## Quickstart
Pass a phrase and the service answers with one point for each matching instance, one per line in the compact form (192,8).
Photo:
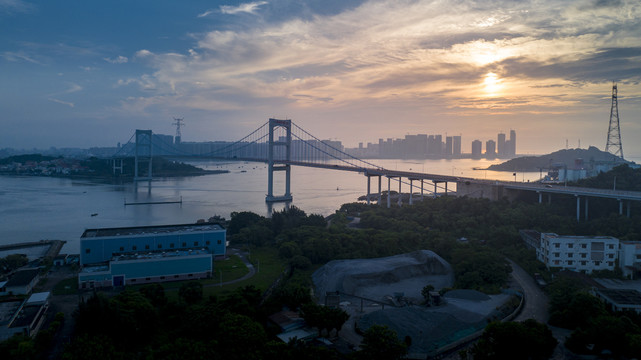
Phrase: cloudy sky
(88,73)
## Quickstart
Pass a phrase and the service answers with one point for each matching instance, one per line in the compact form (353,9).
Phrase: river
(36,208)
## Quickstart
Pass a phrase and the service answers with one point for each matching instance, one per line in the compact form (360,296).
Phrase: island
(93,167)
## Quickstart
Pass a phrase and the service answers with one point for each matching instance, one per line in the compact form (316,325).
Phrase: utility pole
(178,122)
(613,144)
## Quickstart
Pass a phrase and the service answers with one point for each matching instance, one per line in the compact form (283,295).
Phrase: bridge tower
(275,144)
(613,145)
(143,154)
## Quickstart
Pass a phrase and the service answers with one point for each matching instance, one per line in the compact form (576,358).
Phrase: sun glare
(492,84)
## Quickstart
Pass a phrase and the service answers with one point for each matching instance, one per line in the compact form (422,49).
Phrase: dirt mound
(379,279)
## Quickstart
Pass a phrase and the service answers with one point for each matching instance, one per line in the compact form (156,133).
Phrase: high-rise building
(500,145)
(477,149)
(512,148)
(448,146)
(490,149)
(456,146)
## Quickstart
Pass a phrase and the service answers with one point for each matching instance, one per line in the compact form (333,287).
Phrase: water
(37,208)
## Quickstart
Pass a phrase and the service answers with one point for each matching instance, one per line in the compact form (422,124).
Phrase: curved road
(536,301)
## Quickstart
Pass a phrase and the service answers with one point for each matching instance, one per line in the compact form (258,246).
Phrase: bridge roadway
(472,187)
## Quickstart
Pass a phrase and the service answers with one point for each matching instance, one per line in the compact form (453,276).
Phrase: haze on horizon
(82,74)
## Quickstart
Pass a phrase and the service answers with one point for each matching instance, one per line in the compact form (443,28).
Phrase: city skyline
(89,74)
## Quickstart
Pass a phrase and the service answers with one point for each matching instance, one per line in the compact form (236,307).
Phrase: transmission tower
(613,145)
(178,122)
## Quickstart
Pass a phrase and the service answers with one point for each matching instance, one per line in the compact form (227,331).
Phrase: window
(147,279)
(171,245)
(162,278)
(611,256)
(122,248)
(556,262)
(570,262)
(134,247)
(570,255)
(195,243)
(220,242)
(132,280)
(584,255)
(583,263)
(597,263)
(146,247)
(160,246)
(610,263)
(610,246)
(176,276)
(184,244)
(570,246)
(190,275)
(557,254)
(207,242)
(87,251)
(583,246)
(557,245)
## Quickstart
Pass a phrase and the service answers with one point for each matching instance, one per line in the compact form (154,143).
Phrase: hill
(566,157)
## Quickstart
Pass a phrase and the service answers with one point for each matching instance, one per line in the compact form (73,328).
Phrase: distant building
(22,282)
(449,146)
(138,255)
(620,299)
(579,253)
(23,316)
(490,149)
(630,258)
(512,147)
(500,145)
(477,149)
(456,146)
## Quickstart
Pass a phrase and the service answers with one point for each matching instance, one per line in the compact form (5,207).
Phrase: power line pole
(178,122)
(613,145)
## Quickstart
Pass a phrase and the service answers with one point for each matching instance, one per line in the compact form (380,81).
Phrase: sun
(492,85)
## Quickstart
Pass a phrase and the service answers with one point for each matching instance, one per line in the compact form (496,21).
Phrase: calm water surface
(36,208)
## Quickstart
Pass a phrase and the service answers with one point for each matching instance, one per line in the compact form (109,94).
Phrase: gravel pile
(379,279)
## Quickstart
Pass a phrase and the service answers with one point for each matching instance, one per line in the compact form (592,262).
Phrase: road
(536,301)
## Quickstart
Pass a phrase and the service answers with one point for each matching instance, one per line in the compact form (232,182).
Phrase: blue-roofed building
(139,255)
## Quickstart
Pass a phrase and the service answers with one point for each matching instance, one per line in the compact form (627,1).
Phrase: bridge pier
(411,191)
(368,188)
(586,208)
(400,194)
(143,154)
(389,192)
(272,167)
(620,207)
(578,207)
(421,189)
(379,190)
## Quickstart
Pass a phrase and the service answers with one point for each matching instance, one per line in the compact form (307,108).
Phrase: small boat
(337,188)
(94,214)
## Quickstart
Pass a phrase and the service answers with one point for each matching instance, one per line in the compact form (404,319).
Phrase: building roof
(621,296)
(149,230)
(22,277)
(38,298)
(577,237)
(7,310)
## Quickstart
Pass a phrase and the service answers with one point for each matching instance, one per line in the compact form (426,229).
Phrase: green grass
(231,268)
(268,265)
(66,287)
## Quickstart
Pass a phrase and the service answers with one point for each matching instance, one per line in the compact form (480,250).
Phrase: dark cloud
(607,64)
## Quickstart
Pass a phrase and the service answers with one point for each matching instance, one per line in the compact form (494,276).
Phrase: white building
(578,253)
(630,257)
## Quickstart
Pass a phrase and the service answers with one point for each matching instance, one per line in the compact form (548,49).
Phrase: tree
(191,292)
(381,342)
(426,292)
(529,340)
(155,293)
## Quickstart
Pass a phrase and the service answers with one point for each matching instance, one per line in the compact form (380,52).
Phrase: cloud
(206,13)
(62,102)
(117,60)
(249,8)
(16,56)
(386,51)
(16,6)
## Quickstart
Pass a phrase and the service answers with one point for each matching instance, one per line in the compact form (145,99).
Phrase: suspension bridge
(283,144)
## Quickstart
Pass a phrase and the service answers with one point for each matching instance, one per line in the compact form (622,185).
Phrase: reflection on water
(36,208)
